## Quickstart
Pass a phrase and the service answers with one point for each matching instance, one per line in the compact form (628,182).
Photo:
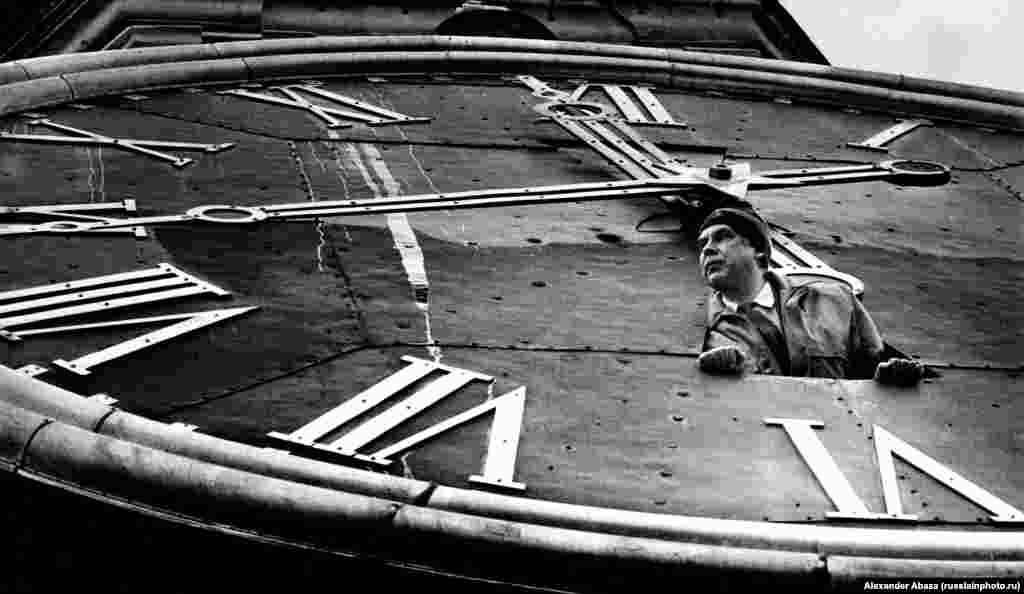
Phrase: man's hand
(723,360)
(899,372)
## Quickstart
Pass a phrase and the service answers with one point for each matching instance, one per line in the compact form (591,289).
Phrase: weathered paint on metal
(598,321)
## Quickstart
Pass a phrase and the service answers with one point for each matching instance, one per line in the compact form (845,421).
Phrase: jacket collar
(765,298)
(775,288)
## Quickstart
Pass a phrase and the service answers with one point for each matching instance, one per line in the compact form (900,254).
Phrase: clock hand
(730,182)
(240,215)
(900,172)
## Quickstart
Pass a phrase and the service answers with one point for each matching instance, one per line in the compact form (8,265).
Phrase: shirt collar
(765,299)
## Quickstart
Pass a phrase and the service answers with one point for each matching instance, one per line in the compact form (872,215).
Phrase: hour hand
(899,172)
(735,180)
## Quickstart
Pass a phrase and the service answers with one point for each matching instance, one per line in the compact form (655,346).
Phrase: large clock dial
(454,279)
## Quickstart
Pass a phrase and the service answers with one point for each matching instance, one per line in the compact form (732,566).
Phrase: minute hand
(241,215)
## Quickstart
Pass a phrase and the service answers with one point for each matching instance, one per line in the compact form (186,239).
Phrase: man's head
(734,248)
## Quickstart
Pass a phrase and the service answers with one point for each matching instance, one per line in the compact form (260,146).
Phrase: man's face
(726,258)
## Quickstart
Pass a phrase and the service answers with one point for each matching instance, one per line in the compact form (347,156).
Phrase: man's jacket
(825,329)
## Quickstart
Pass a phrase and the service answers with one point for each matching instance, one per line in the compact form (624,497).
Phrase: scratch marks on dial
(319,222)
(97,178)
(339,166)
(307,186)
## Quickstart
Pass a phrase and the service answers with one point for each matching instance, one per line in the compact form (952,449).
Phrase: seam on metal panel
(202,401)
(99,423)
(28,443)
(71,88)
(248,68)
(423,499)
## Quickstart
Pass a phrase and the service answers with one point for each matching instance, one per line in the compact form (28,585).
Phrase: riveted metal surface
(1012,179)
(942,423)
(999,147)
(689,434)
(530,296)
(795,130)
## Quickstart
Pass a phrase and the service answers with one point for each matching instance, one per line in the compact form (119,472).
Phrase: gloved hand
(899,372)
(723,360)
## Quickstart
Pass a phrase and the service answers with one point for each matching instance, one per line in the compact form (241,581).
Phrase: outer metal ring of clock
(240,214)
(570,110)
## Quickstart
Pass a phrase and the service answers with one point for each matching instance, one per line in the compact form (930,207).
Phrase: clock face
(570,326)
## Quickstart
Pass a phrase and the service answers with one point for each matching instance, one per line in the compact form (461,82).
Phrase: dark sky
(977,42)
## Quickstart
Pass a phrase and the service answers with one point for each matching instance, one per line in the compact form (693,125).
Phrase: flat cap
(745,223)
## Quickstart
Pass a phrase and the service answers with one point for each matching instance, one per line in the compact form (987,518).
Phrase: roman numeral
(638,105)
(29,307)
(189,322)
(143,147)
(34,305)
(879,141)
(604,131)
(887,446)
(344,107)
(503,444)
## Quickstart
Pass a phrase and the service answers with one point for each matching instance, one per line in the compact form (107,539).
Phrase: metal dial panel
(599,321)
